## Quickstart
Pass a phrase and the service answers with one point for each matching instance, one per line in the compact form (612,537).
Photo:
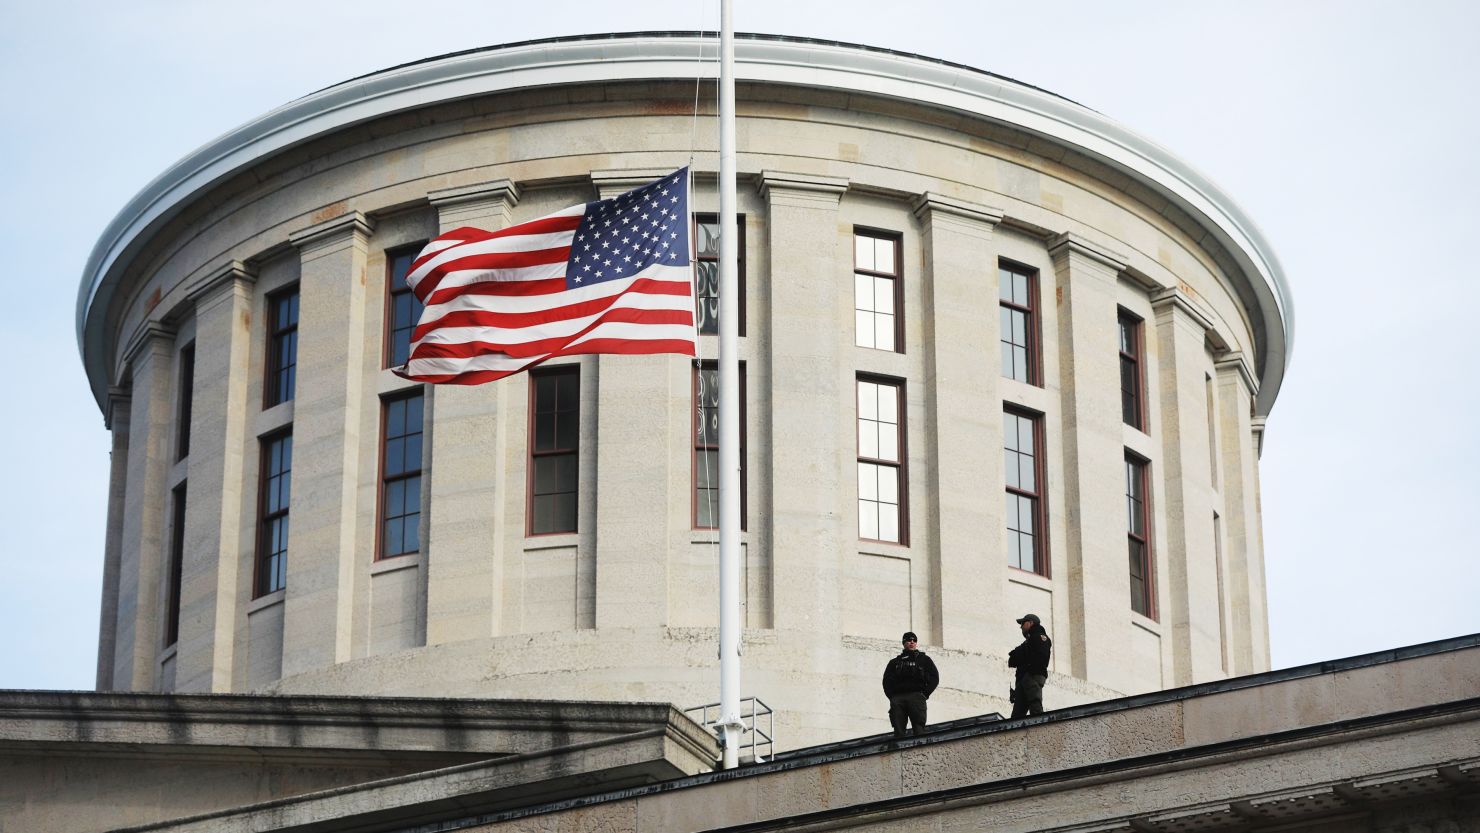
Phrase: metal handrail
(753,737)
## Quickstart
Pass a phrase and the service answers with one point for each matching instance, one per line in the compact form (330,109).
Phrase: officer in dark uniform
(908,681)
(1031,661)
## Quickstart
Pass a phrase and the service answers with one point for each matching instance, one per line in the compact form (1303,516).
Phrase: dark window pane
(567,429)
(392,540)
(412,460)
(395,418)
(544,393)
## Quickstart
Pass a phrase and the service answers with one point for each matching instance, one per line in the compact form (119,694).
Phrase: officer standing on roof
(1031,661)
(908,681)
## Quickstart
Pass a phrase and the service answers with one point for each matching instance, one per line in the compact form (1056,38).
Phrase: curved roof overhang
(653,56)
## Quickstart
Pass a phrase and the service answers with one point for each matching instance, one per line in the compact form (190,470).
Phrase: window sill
(395,562)
(273,419)
(1147,624)
(551,541)
(263,602)
(1020,576)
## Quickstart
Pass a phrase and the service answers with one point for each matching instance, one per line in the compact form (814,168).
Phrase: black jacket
(1031,658)
(909,672)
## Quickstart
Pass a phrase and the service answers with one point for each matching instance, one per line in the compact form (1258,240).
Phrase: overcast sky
(1347,130)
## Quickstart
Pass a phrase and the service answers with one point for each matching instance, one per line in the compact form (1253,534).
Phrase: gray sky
(1347,130)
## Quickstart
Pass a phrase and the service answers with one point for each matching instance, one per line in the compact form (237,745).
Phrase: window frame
(1142,469)
(1137,359)
(713,219)
(1040,497)
(897,238)
(384,481)
(531,454)
(388,326)
(185,393)
(696,448)
(176,565)
(901,466)
(1031,313)
(259,568)
(271,354)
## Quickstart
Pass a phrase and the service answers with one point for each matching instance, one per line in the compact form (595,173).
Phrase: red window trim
(901,466)
(385,402)
(1148,560)
(897,276)
(1034,335)
(1040,498)
(549,370)
(391,291)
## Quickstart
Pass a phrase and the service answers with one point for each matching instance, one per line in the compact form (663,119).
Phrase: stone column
(138,636)
(641,411)
(1191,583)
(963,405)
(811,393)
(210,584)
(116,420)
(324,555)
(1242,549)
(465,529)
(1098,582)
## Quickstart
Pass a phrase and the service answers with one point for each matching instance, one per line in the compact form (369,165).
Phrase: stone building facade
(1001,355)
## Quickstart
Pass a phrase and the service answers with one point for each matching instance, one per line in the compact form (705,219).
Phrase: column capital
(1174,300)
(1068,243)
(930,205)
(610,183)
(117,404)
(229,275)
(341,229)
(495,190)
(802,189)
(475,203)
(151,336)
(1256,427)
(1238,362)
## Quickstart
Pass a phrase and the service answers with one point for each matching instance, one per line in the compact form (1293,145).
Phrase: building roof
(648,56)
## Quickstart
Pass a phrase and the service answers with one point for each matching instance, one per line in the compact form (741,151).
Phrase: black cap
(909,636)
(1031,617)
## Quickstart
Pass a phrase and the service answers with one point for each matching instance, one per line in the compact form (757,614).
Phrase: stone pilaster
(1187,502)
(211,584)
(641,411)
(137,638)
(963,408)
(1243,551)
(324,556)
(468,433)
(1098,582)
(116,415)
(813,526)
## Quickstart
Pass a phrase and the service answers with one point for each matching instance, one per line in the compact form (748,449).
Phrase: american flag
(610,276)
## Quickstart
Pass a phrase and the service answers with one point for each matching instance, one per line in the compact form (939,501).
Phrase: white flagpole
(729,406)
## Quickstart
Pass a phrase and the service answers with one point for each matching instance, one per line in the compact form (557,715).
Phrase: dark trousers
(1029,696)
(907,708)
